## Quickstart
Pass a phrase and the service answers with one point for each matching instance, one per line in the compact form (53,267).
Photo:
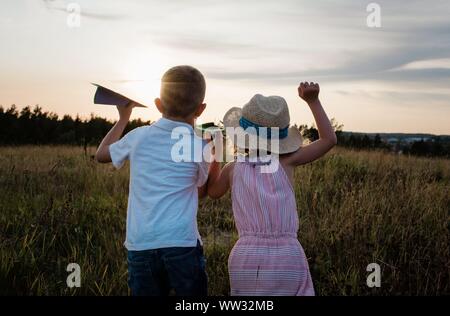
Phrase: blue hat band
(244,123)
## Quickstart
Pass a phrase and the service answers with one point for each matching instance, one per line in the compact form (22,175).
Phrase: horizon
(113,120)
(388,79)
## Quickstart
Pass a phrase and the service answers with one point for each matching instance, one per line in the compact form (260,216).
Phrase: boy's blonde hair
(182,90)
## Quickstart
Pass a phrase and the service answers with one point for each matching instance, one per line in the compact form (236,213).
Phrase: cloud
(127,80)
(414,54)
(213,47)
(427,76)
(326,41)
(189,42)
(443,63)
(57,5)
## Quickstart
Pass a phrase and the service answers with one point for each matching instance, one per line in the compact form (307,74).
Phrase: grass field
(58,206)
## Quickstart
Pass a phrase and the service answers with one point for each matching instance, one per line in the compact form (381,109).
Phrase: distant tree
(352,141)
(36,126)
(366,142)
(312,134)
(336,125)
(377,143)
(435,147)
(420,148)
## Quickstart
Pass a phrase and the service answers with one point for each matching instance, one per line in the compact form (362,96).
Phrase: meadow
(58,206)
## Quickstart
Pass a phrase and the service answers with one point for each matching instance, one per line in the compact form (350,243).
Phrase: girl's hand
(309,92)
(327,137)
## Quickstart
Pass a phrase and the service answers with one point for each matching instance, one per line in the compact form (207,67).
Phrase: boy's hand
(309,92)
(125,111)
(103,154)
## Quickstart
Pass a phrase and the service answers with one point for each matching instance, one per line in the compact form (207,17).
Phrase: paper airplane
(209,129)
(107,96)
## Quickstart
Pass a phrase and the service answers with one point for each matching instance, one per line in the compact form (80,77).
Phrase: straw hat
(268,112)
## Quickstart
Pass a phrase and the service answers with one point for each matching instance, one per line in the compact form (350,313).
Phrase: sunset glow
(388,79)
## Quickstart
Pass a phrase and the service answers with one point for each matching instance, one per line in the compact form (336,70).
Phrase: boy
(162,239)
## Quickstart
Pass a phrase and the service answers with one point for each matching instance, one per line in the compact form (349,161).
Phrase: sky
(393,78)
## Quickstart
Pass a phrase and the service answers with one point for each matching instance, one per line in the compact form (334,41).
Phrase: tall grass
(58,206)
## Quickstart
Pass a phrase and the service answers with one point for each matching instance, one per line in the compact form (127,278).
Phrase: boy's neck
(190,120)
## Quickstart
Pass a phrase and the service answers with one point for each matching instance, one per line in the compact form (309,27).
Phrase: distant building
(392,140)
(416,139)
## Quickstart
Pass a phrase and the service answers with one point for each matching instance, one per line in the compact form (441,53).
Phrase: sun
(141,72)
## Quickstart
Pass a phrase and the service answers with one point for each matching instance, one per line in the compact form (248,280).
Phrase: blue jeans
(158,271)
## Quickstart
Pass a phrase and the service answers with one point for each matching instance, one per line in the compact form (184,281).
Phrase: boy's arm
(203,190)
(219,181)
(103,155)
(327,136)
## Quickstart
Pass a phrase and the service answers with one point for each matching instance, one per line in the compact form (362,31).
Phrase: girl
(268,258)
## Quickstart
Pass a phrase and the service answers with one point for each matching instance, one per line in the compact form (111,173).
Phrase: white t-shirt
(163,193)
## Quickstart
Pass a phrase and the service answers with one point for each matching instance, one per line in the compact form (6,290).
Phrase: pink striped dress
(268,259)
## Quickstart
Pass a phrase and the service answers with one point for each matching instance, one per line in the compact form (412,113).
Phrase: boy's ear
(200,109)
(159,105)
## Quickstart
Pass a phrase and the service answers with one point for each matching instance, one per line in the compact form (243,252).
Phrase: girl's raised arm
(327,137)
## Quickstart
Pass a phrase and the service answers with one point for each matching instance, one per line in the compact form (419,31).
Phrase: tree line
(437,146)
(37,127)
